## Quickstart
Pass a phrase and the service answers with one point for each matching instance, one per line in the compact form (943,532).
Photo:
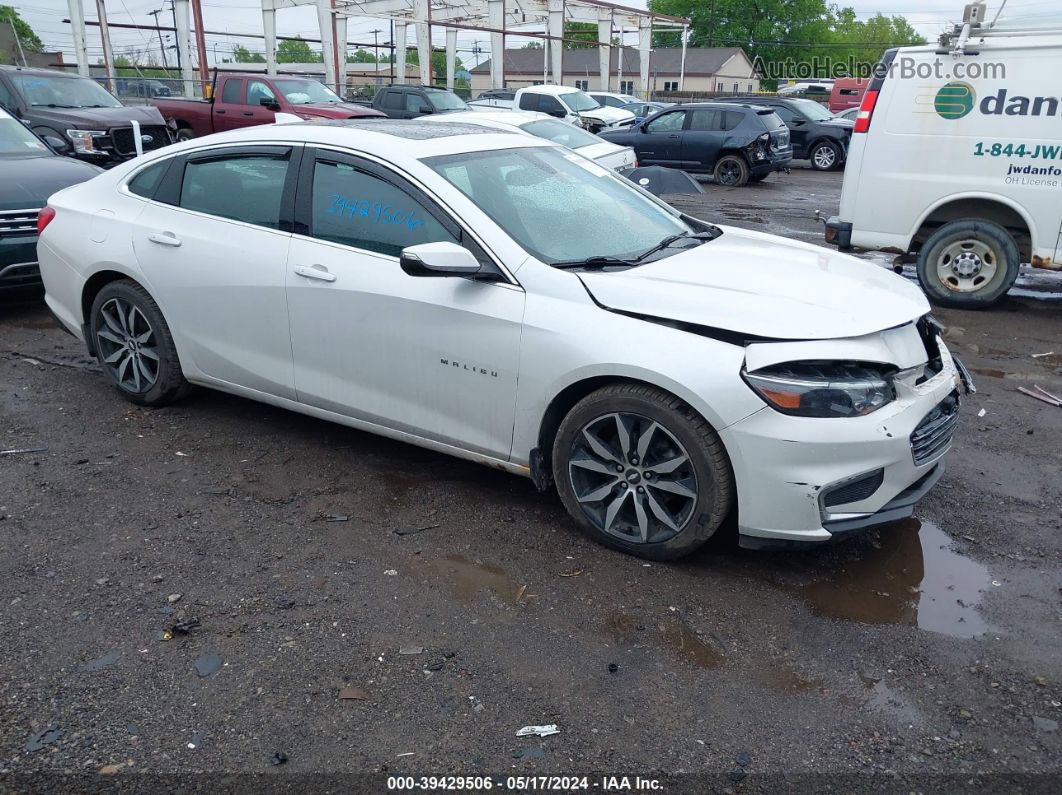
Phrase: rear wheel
(968,264)
(825,156)
(731,171)
(134,345)
(641,472)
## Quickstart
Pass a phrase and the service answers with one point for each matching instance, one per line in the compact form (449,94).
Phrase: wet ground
(363,605)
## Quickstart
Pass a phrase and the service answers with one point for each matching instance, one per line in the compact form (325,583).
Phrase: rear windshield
(771,119)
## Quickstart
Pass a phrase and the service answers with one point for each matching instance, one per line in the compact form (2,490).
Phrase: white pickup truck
(563,102)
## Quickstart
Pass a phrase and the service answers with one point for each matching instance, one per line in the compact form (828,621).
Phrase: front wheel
(134,345)
(825,156)
(642,472)
(184,134)
(968,264)
(731,171)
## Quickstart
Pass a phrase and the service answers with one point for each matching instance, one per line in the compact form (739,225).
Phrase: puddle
(914,579)
(674,635)
(469,577)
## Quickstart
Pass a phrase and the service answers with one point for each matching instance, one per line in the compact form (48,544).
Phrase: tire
(968,264)
(825,156)
(731,171)
(184,134)
(140,359)
(589,447)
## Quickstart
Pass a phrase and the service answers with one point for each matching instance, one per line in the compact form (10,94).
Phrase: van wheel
(731,171)
(642,472)
(134,345)
(825,156)
(968,264)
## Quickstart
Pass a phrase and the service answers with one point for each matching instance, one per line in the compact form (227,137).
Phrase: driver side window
(548,104)
(257,91)
(669,122)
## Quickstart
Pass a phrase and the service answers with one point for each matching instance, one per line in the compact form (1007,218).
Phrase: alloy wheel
(729,174)
(127,345)
(825,157)
(632,478)
(966,265)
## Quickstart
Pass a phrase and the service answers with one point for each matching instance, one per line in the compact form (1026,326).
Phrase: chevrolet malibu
(505,300)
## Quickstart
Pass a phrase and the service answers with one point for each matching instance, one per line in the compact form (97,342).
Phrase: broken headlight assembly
(824,389)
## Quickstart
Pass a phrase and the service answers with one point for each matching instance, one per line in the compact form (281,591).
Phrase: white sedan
(542,125)
(503,299)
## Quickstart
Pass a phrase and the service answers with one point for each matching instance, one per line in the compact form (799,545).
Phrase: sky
(929,17)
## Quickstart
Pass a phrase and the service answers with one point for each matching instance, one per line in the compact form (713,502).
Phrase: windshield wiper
(668,241)
(595,263)
(52,105)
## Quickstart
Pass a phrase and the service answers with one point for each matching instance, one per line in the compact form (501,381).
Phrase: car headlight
(83,140)
(824,389)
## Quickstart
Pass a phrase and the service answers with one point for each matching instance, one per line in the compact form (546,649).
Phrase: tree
(26,37)
(242,55)
(364,56)
(580,35)
(438,62)
(296,51)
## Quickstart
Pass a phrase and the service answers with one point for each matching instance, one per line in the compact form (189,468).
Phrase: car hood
(845,124)
(339,110)
(608,115)
(761,285)
(62,119)
(29,181)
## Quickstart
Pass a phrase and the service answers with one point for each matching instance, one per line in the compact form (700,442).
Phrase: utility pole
(173,10)
(376,46)
(105,37)
(162,47)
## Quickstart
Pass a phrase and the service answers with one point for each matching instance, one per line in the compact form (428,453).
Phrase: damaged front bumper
(806,481)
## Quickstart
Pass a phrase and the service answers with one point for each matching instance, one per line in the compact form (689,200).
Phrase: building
(708,69)
(12,54)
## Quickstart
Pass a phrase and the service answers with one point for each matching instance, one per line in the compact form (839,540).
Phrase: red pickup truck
(243,100)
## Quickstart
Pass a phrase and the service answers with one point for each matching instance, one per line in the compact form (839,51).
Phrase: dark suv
(409,102)
(735,143)
(817,135)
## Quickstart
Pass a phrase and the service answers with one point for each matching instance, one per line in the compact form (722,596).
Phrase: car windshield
(812,109)
(304,92)
(63,92)
(579,102)
(561,133)
(560,206)
(15,139)
(444,100)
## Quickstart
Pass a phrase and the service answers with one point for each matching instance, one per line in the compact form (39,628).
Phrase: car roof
(29,70)
(721,104)
(508,118)
(550,88)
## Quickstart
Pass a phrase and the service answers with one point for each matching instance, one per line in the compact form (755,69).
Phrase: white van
(956,159)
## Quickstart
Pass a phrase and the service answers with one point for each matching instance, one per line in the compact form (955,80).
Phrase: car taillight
(866,110)
(44,217)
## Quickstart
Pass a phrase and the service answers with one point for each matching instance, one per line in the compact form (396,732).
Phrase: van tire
(987,244)
(731,171)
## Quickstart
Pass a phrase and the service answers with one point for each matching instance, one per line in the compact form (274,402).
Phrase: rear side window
(145,183)
(528,101)
(244,188)
(732,120)
(358,209)
(231,91)
(706,120)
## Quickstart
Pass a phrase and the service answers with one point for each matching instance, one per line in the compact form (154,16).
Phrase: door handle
(164,239)
(248,113)
(219,110)
(673,136)
(318,272)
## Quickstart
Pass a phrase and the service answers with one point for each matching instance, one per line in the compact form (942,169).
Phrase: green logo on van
(954,100)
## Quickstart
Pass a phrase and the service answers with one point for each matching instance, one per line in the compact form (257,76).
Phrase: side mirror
(57,144)
(269,102)
(426,109)
(558,113)
(438,259)
(798,122)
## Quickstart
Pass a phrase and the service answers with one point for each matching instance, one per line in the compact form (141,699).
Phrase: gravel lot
(366,606)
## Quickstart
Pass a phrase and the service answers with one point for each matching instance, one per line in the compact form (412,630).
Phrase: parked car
(30,172)
(608,99)
(734,143)
(92,124)
(962,177)
(410,102)
(847,92)
(244,100)
(808,88)
(142,88)
(488,295)
(541,125)
(847,115)
(564,102)
(643,110)
(816,135)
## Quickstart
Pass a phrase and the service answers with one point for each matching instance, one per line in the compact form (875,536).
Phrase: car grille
(855,491)
(124,144)
(933,435)
(18,222)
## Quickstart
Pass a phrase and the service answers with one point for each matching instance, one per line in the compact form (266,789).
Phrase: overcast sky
(929,17)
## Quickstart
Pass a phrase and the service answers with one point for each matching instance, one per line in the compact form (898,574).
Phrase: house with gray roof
(707,69)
